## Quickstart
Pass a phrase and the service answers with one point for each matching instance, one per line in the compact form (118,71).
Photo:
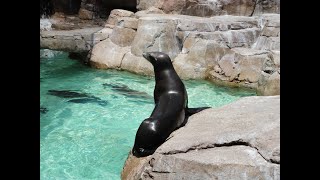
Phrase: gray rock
(151,10)
(276,57)
(78,40)
(241,48)
(137,64)
(250,66)
(269,20)
(156,34)
(237,141)
(270,84)
(207,8)
(145,4)
(128,22)
(106,55)
(122,36)
(271,31)
(267,6)
(116,14)
(216,23)
(227,65)
(101,35)
(197,56)
(265,43)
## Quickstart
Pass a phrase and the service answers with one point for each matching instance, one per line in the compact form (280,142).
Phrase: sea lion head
(158,59)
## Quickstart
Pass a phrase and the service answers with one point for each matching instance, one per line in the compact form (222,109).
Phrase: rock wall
(207,8)
(231,50)
(79,40)
(237,141)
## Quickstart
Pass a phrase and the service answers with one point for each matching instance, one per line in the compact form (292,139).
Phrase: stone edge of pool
(236,141)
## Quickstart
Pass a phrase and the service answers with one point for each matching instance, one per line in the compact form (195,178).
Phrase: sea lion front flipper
(191,111)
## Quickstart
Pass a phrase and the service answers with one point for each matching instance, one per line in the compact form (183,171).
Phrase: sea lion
(171,106)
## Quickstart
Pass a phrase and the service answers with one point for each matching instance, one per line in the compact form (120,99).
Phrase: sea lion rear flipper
(191,111)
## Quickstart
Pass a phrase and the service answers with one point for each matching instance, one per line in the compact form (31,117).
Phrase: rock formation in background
(231,42)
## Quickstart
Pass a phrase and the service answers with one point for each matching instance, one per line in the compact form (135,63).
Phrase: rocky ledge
(237,141)
(77,40)
(230,50)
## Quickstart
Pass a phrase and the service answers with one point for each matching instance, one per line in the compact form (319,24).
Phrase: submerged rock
(237,141)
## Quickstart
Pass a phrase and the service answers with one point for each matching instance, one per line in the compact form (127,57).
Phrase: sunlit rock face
(230,50)
(206,8)
(240,140)
(230,42)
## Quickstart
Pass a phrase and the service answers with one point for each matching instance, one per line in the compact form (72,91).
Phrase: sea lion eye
(154,58)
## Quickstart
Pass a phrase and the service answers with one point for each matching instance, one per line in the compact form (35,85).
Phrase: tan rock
(151,10)
(267,43)
(78,40)
(156,34)
(116,14)
(250,63)
(237,141)
(122,36)
(109,54)
(207,8)
(128,22)
(137,64)
(271,86)
(102,35)
(85,14)
(227,64)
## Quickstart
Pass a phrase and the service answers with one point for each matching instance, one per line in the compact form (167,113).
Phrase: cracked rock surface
(240,51)
(237,141)
(77,40)
(229,50)
(206,8)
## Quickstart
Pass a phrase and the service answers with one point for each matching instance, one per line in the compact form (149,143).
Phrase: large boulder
(137,64)
(122,36)
(269,84)
(197,56)
(237,141)
(115,15)
(156,34)
(106,55)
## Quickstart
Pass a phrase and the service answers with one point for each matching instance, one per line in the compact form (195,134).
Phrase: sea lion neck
(162,73)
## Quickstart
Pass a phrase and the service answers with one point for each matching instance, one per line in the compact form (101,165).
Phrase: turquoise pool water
(89,117)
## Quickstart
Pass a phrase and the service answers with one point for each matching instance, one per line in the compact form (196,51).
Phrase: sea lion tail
(191,111)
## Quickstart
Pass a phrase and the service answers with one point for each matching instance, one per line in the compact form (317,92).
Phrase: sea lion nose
(145,54)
